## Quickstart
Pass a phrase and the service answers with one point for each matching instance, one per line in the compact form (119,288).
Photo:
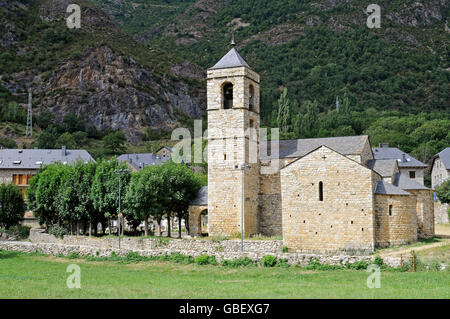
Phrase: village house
(327,194)
(440,172)
(408,165)
(18,166)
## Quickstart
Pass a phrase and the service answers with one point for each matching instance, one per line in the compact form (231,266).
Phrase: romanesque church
(319,194)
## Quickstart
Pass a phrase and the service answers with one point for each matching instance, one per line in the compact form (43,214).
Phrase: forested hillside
(391,83)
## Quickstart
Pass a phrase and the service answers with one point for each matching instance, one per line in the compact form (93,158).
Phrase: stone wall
(292,258)
(425,212)
(202,246)
(399,226)
(441,213)
(344,220)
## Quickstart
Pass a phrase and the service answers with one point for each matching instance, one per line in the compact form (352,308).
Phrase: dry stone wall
(86,250)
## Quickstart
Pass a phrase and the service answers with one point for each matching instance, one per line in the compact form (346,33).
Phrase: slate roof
(389,189)
(141,160)
(404,182)
(346,145)
(34,158)
(385,168)
(397,154)
(230,60)
(202,197)
(445,157)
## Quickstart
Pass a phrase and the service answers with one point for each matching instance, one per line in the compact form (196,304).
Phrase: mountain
(98,72)
(319,49)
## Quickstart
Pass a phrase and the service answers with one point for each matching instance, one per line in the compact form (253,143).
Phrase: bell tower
(233,144)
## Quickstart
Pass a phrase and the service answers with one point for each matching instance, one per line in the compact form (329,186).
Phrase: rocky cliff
(98,72)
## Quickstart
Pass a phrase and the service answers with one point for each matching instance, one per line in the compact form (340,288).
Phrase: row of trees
(84,195)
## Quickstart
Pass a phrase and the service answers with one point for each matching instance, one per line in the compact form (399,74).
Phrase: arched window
(321,191)
(251,98)
(227,96)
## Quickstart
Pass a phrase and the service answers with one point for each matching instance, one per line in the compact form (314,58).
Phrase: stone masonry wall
(425,212)
(441,213)
(228,249)
(399,227)
(344,220)
(229,145)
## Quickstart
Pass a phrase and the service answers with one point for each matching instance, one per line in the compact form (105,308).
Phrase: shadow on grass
(431,240)
(9,254)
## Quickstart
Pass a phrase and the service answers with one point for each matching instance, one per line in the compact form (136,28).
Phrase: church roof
(202,197)
(403,159)
(386,168)
(230,60)
(404,182)
(386,188)
(345,145)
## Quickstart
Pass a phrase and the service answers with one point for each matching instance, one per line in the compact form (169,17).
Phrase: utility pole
(242,167)
(29,129)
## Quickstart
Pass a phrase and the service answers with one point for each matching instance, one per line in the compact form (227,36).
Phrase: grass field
(37,276)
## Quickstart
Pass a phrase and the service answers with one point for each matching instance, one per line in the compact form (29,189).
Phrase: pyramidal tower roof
(231,60)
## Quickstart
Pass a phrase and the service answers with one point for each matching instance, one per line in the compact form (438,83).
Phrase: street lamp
(242,167)
(119,172)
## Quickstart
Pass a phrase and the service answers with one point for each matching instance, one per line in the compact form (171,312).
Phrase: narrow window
(251,123)
(228,96)
(412,174)
(224,157)
(251,98)
(321,191)
(390,210)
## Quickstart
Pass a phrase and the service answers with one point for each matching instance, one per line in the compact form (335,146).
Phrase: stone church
(319,194)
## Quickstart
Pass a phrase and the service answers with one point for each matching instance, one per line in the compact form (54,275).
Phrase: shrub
(239,262)
(206,260)
(73,255)
(19,231)
(284,249)
(57,231)
(269,261)
(358,265)
(283,262)
(378,261)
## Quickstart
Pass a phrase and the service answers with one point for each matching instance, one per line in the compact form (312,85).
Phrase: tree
(45,119)
(443,192)
(105,186)
(12,206)
(284,106)
(42,194)
(74,202)
(143,194)
(113,143)
(48,138)
(182,185)
(66,139)
(73,123)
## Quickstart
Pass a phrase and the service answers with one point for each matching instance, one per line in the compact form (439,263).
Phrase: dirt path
(407,251)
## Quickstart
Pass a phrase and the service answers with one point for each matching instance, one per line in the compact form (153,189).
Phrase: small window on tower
(390,210)
(228,96)
(412,174)
(251,98)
